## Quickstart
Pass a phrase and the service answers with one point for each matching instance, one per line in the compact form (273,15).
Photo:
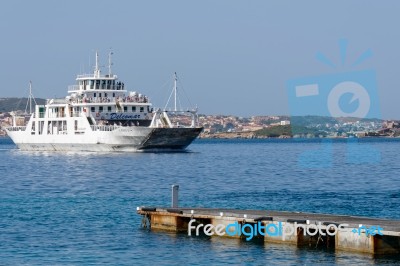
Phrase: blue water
(80,208)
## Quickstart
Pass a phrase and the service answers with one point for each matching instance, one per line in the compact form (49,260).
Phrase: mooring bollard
(175,191)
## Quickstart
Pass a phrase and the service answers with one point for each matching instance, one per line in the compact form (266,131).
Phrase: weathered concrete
(347,240)
(349,233)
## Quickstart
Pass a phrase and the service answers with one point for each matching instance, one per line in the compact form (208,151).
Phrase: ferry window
(100,108)
(94,94)
(125,109)
(104,82)
(109,108)
(133,108)
(100,95)
(105,94)
(114,94)
(141,109)
(97,82)
(92,109)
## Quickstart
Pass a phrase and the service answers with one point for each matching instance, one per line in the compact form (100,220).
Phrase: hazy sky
(233,57)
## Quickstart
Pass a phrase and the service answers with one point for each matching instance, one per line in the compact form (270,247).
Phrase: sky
(232,57)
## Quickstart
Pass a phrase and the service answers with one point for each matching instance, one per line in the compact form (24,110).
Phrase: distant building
(360,134)
(285,122)
(251,128)
(390,124)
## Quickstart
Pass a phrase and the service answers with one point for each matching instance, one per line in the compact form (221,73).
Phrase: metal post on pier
(175,192)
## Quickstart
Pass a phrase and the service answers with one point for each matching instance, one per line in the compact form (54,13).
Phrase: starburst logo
(343,44)
(350,92)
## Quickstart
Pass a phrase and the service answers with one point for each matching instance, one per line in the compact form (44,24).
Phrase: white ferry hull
(123,139)
(76,147)
(127,139)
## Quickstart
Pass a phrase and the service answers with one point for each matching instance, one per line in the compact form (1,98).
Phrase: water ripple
(79,208)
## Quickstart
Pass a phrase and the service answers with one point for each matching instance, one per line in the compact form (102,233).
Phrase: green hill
(287,130)
(14,104)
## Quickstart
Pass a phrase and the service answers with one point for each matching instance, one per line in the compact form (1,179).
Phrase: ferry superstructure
(99,115)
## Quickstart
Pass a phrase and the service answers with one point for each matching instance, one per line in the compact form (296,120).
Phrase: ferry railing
(59,115)
(51,115)
(18,128)
(95,87)
(86,76)
(128,99)
(104,128)
(57,101)
(94,77)
(76,114)
(134,99)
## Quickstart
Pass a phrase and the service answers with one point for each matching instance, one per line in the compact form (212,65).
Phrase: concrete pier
(339,232)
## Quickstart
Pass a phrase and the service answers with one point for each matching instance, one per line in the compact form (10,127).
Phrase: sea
(60,208)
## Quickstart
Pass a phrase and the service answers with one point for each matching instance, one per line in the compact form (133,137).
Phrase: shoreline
(252,135)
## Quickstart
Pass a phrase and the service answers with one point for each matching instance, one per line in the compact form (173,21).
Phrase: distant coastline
(258,127)
(250,136)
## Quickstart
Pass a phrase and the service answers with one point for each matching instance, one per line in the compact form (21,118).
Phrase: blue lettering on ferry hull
(115,116)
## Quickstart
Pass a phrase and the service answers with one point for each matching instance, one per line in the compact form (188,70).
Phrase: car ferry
(100,115)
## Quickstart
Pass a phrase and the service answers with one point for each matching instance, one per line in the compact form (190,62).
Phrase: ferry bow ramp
(170,138)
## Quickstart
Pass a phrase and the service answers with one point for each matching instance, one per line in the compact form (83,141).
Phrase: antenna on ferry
(175,93)
(30,98)
(175,89)
(97,70)
(109,63)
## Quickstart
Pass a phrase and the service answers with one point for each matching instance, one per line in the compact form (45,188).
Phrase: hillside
(14,104)
(287,130)
(311,120)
